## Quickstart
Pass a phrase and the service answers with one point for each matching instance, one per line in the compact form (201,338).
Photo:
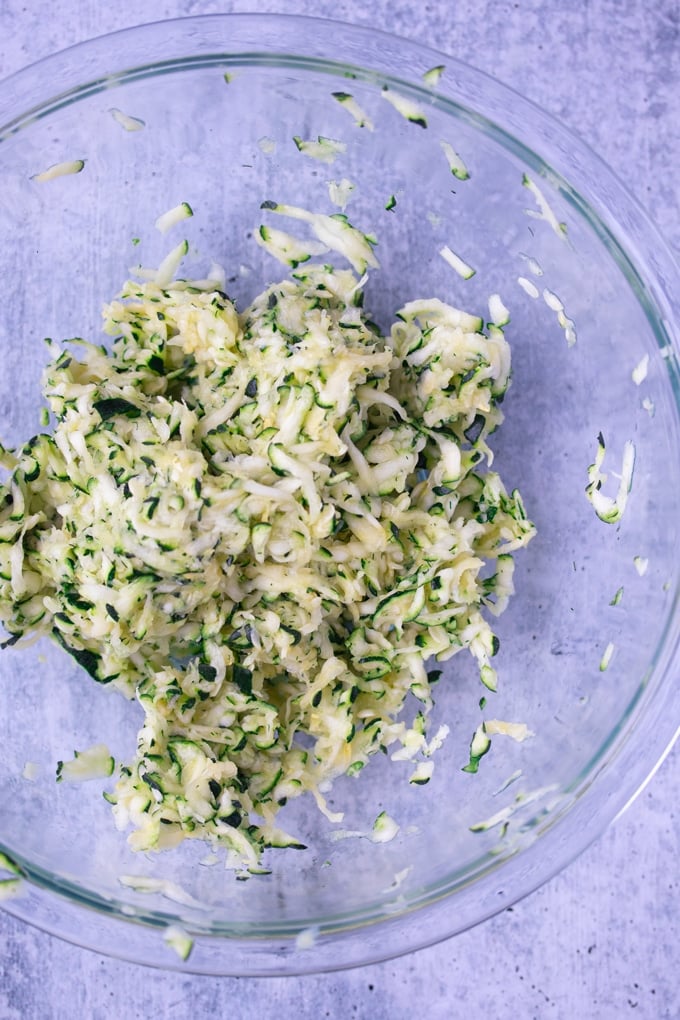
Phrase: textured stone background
(602,940)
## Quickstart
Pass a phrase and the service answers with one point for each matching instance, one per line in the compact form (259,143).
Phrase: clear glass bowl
(225,146)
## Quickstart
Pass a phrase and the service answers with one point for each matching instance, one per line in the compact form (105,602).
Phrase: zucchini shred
(262,525)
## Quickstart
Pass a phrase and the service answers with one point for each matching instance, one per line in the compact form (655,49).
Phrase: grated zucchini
(456,164)
(334,232)
(544,211)
(433,74)
(606,657)
(639,373)
(177,939)
(465,271)
(127,122)
(173,216)
(307,938)
(498,313)
(408,109)
(610,509)
(528,287)
(349,103)
(641,563)
(71,166)
(340,192)
(325,150)
(94,763)
(10,887)
(384,828)
(8,864)
(261,525)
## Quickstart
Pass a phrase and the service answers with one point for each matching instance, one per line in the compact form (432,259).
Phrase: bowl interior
(225,145)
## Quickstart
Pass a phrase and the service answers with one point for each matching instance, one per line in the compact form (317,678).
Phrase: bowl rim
(334,948)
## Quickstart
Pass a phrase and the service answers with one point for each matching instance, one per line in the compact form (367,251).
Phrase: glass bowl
(591,672)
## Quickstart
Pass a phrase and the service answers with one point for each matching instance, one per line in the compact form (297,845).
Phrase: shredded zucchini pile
(262,525)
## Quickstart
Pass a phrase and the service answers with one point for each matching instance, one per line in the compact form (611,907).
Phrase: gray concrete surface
(601,940)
